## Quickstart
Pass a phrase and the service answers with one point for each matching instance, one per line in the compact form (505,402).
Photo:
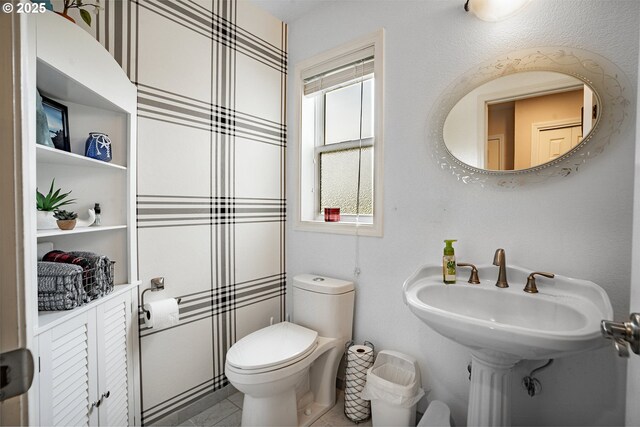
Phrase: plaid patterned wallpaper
(211,78)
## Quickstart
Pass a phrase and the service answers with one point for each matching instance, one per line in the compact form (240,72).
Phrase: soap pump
(449,263)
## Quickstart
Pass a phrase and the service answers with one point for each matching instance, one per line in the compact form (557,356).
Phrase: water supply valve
(531,383)
(623,334)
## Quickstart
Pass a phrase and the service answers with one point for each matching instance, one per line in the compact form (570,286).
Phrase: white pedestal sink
(502,326)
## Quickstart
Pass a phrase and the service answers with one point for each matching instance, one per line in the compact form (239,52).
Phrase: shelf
(74,68)
(64,62)
(80,69)
(50,319)
(50,155)
(78,230)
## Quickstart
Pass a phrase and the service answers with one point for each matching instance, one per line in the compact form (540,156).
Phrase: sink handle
(531,281)
(473,278)
(623,333)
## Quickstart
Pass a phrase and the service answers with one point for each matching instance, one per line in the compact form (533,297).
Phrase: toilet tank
(324,305)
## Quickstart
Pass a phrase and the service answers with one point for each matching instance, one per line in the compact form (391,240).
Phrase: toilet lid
(272,346)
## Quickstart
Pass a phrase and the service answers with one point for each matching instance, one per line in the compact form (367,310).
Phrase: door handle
(16,373)
(625,335)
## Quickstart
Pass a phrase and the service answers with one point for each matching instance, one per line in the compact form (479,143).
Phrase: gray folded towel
(60,286)
(54,301)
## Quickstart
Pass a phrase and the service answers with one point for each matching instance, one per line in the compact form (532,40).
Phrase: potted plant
(46,205)
(66,220)
(79,4)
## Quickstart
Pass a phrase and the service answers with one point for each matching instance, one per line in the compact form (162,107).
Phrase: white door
(114,373)
(633,368)
(555,142)
(68,380)
(14,323)
(495,152)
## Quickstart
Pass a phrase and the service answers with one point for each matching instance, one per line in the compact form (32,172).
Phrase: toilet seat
(272,348)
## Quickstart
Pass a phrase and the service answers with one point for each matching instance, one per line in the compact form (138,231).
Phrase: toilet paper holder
(157,284)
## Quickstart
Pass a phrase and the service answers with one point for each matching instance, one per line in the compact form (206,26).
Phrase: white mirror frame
(610,86)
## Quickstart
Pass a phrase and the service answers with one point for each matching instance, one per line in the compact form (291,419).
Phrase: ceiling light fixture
(494,10)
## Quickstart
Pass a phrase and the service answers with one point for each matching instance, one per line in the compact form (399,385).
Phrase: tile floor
(228,413)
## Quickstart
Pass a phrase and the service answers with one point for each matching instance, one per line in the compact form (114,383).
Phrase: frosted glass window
(339,181)
(342,113)
(339,120)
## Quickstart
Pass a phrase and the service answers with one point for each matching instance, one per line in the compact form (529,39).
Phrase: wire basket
(63,286)
(98,281)
(358,362)
(60,286)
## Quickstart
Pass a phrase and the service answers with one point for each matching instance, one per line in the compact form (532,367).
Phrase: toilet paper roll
(161,314)
(359,360)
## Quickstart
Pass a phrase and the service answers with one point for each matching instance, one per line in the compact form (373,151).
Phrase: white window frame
(307,186)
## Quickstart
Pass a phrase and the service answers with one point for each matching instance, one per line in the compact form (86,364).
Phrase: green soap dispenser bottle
(449,263)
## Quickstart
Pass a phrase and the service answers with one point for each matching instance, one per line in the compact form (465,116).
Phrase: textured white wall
(579,226)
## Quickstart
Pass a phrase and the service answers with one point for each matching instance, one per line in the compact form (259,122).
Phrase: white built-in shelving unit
(88,354)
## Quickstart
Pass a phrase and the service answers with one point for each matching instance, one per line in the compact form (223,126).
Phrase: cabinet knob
(106,395)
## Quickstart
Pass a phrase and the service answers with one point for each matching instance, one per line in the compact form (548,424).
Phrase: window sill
(342,227)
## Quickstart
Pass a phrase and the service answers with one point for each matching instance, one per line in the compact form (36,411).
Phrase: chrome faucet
(500,261)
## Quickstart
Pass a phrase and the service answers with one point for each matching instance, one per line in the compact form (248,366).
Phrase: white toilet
(287,371)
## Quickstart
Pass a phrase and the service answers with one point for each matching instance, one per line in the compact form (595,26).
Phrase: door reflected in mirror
(520,121)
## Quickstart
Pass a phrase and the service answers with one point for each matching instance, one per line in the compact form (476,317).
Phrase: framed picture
(58,121)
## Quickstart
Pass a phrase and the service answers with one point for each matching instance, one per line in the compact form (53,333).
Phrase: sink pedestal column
(490,390)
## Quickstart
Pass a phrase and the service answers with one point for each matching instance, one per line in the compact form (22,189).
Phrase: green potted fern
(46,205)
(66,220)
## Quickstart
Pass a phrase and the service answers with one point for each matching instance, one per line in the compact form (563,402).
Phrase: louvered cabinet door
(114,373)
(68,378)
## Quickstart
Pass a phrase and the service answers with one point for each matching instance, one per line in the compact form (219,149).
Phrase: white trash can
(393,386)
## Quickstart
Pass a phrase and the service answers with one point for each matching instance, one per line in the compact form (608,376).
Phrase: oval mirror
(520,121)
(529,115)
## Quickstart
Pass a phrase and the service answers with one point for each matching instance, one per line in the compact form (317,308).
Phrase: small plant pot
(64,15)
(46,220)
(66,224)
